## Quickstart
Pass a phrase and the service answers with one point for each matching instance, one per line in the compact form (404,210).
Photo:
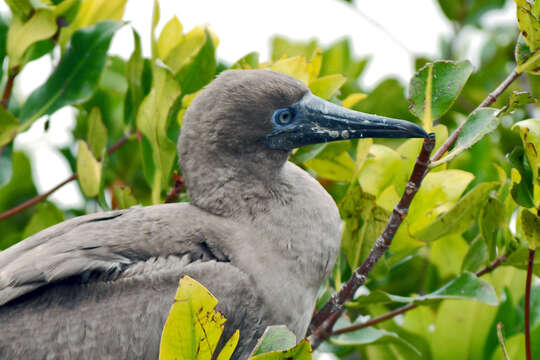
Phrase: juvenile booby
(260,233)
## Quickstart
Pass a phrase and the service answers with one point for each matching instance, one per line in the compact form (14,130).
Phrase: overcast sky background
(388,30)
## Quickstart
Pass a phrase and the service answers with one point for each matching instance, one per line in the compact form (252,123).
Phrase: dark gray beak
(313,120)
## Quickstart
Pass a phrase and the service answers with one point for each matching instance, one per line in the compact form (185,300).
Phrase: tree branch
(17,209)
(389,315)
(528,305)
(324,319)
(9,86)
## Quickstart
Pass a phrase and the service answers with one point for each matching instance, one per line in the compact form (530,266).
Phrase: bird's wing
(106,244)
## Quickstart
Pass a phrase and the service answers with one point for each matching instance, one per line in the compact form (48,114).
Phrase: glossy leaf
(529,131)
(302,351)
(200,69)
(21,35)
(522,179)
(295,67)
(75,77)
(370,335)
(275,338)
(89,170)
(193,328)
(434,89)
(460,216)
(90,13)
(158,150)
(327,86)
(464,287)
(479,123)
(170,37)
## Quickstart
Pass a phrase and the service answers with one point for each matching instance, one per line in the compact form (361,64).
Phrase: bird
(259,232)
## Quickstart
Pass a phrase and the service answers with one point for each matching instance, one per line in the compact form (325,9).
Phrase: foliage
(480,200)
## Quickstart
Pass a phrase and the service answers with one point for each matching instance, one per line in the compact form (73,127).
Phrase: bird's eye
(284,117)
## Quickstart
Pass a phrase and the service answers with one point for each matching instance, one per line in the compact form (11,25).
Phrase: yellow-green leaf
(97,133)
(170,37)
(341,168)
(124,197)
(530,227)
(42,25)
(193,328)
(295,67)
(381,170)
(91,12)
(529,27)
(186,49)
(8,126)
(302,351)
(327,86)
(46,215)
(314,67)
(529,131)
(152,122)
(353,99)
(89,170)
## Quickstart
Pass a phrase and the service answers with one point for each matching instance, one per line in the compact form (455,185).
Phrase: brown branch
(178,187)
(9,86)
(321,324)
(490,99)
(17,209)
(389,315)
(527,314)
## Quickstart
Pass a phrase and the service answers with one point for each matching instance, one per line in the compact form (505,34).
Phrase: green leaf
(89,170)
(464,287)
(20,8)
(479,123)
(282,47)
(124,197)
(193,328)
(530,226)
(476,256)
(460,217)
(372,336)
(9,126)
(200,69)
(170,37)
(518,99)
(529,26)
(152,122)
(75,77)
(97,133)
(302,351)
(249,61)
(21,35)
(6,168)
(341,168)
(327,86)
(382,168)
(492,217)
(277,337)
(46,215)
(434,89)
(529,131)
(134,74)
(91,12)
(526,59)
(522,179)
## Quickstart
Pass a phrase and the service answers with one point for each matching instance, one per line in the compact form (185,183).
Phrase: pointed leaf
(42,25)
(193,328)
(435,87)
(75,77)
(327,86)
(134,74)
(302,351)
(479,123)
(277,337)
(89,170)
(200,69)
(170,37)
(97,133)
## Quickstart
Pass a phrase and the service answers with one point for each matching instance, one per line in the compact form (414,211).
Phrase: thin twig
(321,326)
(527,314)
(178,187)
(490,99)
(17,209)
(9,86)
(389,315)
(501,340)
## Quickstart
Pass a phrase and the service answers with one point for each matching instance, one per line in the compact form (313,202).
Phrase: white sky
(415,27)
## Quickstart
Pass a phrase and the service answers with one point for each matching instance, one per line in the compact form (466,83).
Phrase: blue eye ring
(283,117)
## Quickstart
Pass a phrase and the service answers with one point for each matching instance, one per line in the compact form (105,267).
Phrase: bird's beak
(314,120)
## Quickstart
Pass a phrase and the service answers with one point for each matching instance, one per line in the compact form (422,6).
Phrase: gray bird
(260,233)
